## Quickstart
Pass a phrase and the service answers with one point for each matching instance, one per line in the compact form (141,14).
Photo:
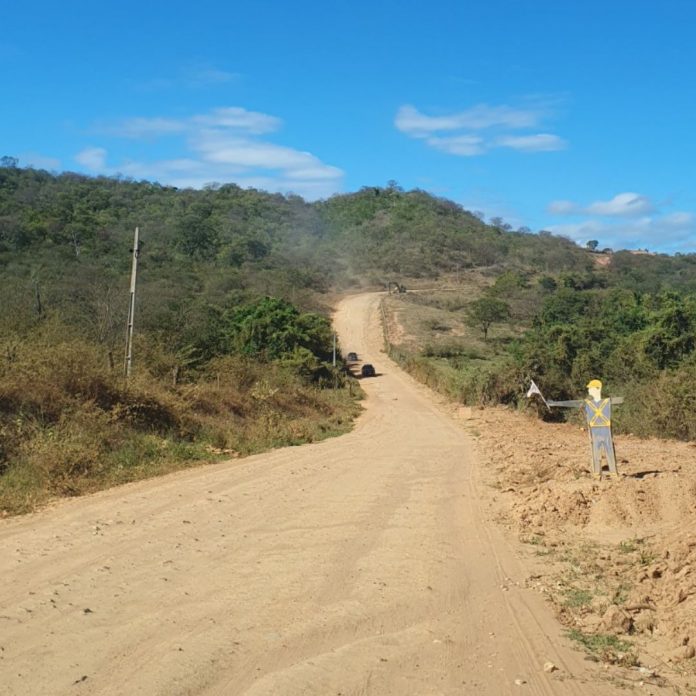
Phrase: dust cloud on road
(365,564)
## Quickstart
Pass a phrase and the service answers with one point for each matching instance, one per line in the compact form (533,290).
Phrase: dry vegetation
(70,425)
(428,334)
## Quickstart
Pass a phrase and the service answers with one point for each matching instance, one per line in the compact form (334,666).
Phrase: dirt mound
(616,557)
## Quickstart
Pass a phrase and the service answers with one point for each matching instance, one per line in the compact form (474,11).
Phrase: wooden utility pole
(131,306)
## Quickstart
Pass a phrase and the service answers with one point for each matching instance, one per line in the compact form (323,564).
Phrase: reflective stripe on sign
(598,419)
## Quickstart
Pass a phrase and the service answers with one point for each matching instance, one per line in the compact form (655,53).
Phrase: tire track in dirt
(365,564)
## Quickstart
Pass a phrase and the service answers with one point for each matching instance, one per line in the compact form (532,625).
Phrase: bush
(69,424)
(662,407)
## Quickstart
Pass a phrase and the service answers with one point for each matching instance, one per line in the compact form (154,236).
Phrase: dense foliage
(65,240)
(564,331)
(638,343)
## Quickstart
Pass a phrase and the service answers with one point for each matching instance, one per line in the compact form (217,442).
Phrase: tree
(197,233)
(672,333)
(500,224)
(9,162)
(272,329)
(592,244)
(486,311)
(548,283)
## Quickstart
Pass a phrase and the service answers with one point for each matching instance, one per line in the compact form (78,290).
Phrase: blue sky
(576,117)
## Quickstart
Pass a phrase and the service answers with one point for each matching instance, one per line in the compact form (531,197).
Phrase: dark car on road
(352,357)
(367,370)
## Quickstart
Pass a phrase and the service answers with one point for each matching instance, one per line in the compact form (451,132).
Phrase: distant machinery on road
(393,286)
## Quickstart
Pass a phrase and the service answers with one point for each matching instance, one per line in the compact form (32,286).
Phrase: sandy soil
(366,564)
(616,557)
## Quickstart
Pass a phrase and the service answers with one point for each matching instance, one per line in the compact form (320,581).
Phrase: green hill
(219,263)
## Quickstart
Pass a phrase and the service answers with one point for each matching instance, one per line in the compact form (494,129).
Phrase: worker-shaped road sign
(598,415)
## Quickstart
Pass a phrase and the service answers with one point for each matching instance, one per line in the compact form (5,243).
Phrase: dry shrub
(663,407)
(70,453)
(69,424)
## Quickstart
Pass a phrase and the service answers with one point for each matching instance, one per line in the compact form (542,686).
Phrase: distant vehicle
(352,357)
(367,370)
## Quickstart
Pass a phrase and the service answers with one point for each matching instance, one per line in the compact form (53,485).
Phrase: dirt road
(366,564)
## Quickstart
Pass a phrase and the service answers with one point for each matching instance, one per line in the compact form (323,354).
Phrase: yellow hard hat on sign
(594,384)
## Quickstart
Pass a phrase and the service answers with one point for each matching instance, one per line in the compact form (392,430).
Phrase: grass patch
(628,546)
(620,595)
(605,647)
(645,556)
(575,597)
(535,540)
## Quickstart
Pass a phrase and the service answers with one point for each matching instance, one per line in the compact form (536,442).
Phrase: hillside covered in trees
(234,288)
(562,332)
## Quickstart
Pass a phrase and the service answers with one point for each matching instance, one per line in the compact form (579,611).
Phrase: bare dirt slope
(366,564)
(618,557)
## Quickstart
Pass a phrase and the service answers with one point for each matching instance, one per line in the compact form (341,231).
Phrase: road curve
(364,564)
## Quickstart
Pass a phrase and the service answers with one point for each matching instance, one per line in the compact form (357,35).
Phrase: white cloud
(232,117)
(480,129)
(679,220)
(626,221)
(563,207)
(464,145)
(539,142)
(673,232)
(166,168)
(245,153)
(223,145)
(238,118)
(621,205)
(143,127)
(629,204)
(93,158)
(480,117)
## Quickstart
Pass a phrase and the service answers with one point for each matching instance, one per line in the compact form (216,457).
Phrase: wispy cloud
(562,207)
(629,204)
(622,204)
(465,145)
(244,154)
(229,117)
(664,232)
(207,76)
(628,220)
(38,161)
(141,127)
(93,158)
(479,129)
(413,122)
(196,76)
(540,142)
(238,118)
(223,145)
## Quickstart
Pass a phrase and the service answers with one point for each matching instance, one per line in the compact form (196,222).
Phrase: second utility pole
(131,307)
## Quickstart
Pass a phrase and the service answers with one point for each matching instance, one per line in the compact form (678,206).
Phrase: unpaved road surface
(365,564)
